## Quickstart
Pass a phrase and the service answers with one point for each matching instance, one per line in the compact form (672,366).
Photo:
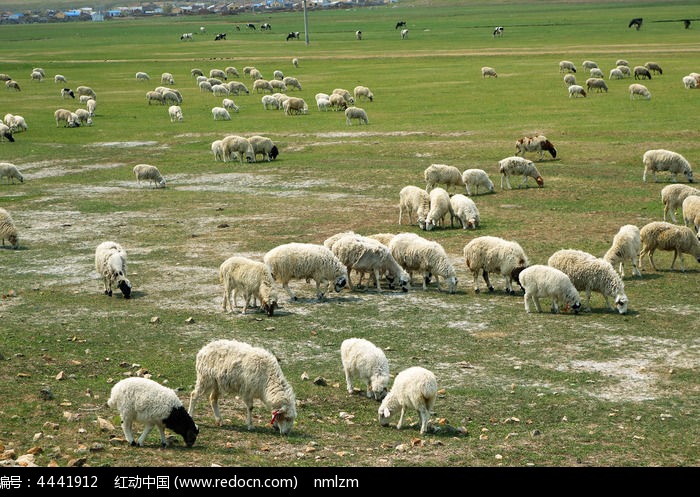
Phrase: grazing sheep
(672,197)
(691,212)
(413,388)
(270,102)
(86,91)
(347,96)
(231,71)
(91,105)
(488,71)
(142,76)
(6,133)
(616,73)
(220,114)
(255,74)
(220,90)
(404,34)
(10,171)
(665,160)
(537,143)
(67,93)
(278,85)
(196,72)
(356,113)
(569,79)
(440,206)
(363,93)
(323,103)
(415,253)
(337,102)
(597,84)
(566,66)
(291,82)
(475,179)
(642,91)
(689,82)
(540,281)
(70,119)
(442,174)
(641,72)
(36,76)
(660,235)
(146,401)
(175,113)
(413,200)
(364,254)
(295,62)
(589,64)
(252,279)
(218,73)
(513,166)
(358,35)
(277,74)
(365,362)
(11,84)
(155,96)
(250,373)
(260,85)
(464,209)
(60,78)
(590,273)
(653,67)
(167,79)
(264,146)
(576,91)
(622,62)
(83,117)
(8,231)
(636,22)
(485,254)
(596,73)
(16,123)
(218,150)
(205,86)
(625,70)
(306,261)
(110,264)
(235,145)
(229,104)
(146,172)
(295,106)
(5,77)
(625,247)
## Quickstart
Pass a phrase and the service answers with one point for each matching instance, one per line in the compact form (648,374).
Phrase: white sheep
(220,114)
(146,172)
(691,212)
(442,174)
(413,388)
(513,166)
(91,106)
(154,96)
(146,401)
(440,207)
(232,71)
(625,70)
(589,64)
(10,171)
(569,79)
(60,78)
(110,264)
(616,73)
(220,90)
(85,91)
(167,78)
(590,273)
(255,74)
(16,123)
(622,62)
(475,180)
(364,254)
(538,143)
(689,82)
(36,76)
(413,200)
(277,74)
(70,119)
(337,102)
(653,67)
(11,84)
(294,105)
(252,279)
(261,85)
(404,34)
(488,71)
(365,362)
(347,96)
(323,103)
(236,88)
(383,238)
(464,209)
(277,85)
(660,235)
(83,117)
(175,113)
(6,133)
(625,247)
(8,230)
(218,150)
(637,90)
(229,104)
(576,91)
(540,281)
(486,254)
(250,373)
(357,113)
(672,197)
(270,102)
(237,146)
(665,160)
(142,76)
(218,73)
(415,253)
(362,93)
(295,62)
(566,66)
(597,84)
(205,86)
(596,73)
(291,82)
(262,145)
(306,261)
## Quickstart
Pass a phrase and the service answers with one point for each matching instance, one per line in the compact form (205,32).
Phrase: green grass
(594,389)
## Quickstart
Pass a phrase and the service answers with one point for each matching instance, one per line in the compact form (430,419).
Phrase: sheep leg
(588,299)
(650,253)
(289,291)
(128,433)
(249,415)
(526,301)
(536,300)
(424,417)
(485,275)
(555,307)
(400,423)
(635,269)
(163,440)
(146,430)
(214,403)
(348,380)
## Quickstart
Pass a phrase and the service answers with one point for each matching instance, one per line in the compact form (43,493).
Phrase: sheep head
(340,283)
(540,181)
(182,423)
(125,287)
(621,303)
(283,420)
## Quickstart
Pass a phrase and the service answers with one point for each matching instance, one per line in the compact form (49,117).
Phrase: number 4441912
(71,481)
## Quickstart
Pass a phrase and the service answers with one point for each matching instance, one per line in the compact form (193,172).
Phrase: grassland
(595,389)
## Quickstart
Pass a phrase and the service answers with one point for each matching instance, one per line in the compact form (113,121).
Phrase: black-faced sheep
(264,146)
(660,235)
(653,67)
(252,279)
(641,72)
(665,160)
(487,254)
(413,388)
(110,264)
(364,361)
(567,66)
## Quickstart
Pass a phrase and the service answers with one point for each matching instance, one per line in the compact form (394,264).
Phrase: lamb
(485,254)
(175,113)
(464,209)
(146,401)
(237,368)
(625,247)
(691,212)
(295,62)
(488,71)
(415,253)
(142,76)
(365,362)
(665,160)
(252,279)
(442,174)
(238,146)
(413,200)
(641,72)
(364,254)
(404,34)
(8,231)
(167,79)
(616,73)
(597,84)
(306,261)
(576,91)
(270,102)
(291,82)
(590,273)
(440,206)
(475,179)
(514,165)
(218,150)
(537,143)
(566,66)
(689,82)
(229,104)
(653,67)
(110,264)
(541,281)
(363,93)
(637,90)
(323,103)
(294,105)
(672,197)
(264,146)
(10,171)
(413,388)
(356,113)
(569,79)
(65,116)
(660,235)
(146,172)
(220,114)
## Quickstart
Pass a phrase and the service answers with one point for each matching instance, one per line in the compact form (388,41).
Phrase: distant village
(176,9)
